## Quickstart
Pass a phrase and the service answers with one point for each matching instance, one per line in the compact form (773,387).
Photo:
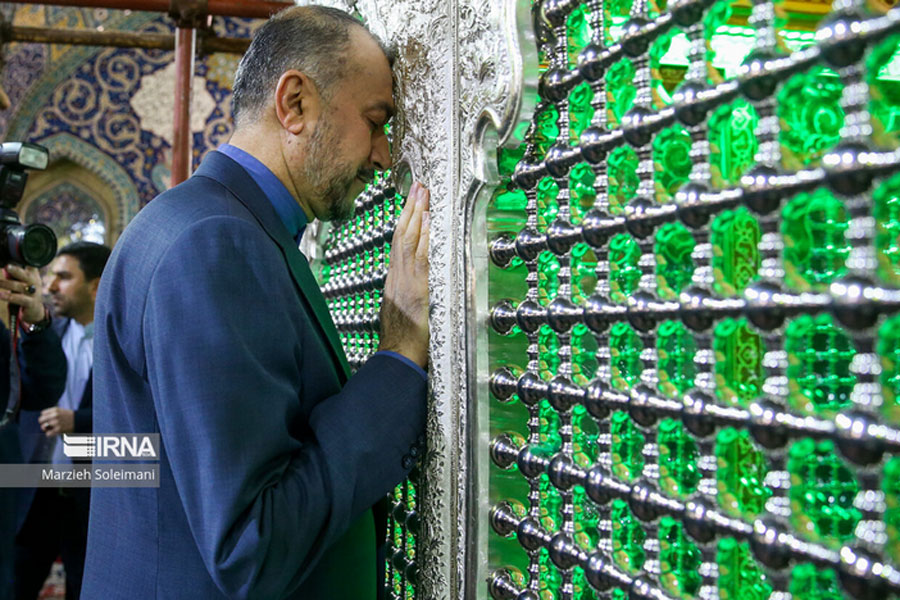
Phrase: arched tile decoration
(64,145)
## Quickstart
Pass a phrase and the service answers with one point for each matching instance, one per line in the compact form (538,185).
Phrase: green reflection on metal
(733,142)
(740,577)
(811,115)
(815,250)
(819,354)
(735,236)
(886,199)
(674,267)
(675,350)
(740,473)
(822,492)
(623,178)
(738,362)
(624,273)
(671,161)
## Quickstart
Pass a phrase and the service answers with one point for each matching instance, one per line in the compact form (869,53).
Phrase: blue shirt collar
(289,211)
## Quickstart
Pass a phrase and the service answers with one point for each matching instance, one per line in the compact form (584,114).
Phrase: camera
(35,244)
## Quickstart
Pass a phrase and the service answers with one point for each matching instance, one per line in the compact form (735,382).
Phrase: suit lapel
(224,170)
(310,287)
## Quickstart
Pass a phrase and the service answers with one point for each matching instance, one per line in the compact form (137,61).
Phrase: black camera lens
(38,245)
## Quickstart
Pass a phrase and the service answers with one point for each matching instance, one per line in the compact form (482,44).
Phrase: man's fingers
(422,248)
(15,286)
(17,272)
(413,230)
(17,299)
(408,208)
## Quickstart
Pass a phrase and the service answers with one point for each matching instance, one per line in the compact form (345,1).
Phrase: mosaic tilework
(87,95)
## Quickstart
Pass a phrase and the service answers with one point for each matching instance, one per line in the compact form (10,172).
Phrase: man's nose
(381,154)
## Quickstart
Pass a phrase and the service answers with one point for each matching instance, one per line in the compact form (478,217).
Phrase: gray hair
(315,40)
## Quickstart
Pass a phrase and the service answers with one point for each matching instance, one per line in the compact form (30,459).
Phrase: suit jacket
(37,447)
(43,368)
(211,330)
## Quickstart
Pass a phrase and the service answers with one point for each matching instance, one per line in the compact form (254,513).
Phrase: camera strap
(14,400)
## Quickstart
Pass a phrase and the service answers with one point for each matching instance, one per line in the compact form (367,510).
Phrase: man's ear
(297,101)
(93,284)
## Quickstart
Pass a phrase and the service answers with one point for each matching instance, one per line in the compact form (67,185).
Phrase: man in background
(56,519)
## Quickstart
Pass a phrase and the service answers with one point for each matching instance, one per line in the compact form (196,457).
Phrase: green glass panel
(889,353)
(551,502)
(550,577)
(661,45)
(822,492)
(581,190)
(625,348)
(627,538)
(734,236)
(580,111)
(732,140)
(620,90)
(546,130)
(584,354)
(508,158)
(717,15)
(679,560)
(678,472)
(548,277)
(815,250)
(618,8)
(819,356)
(886,211)
(811,583)
(626,447)
(740,577)
(510,199)
(674,267)
(884,104)
(624,273)
(547,204)
(324,274)
(671,161)
(675,350)
(810,114)
(584,272)
(738,356)
(741,470)
(623,178)
(890,484)
(548,353)
(584,439)
(578,34)
(581,589)
(658,49)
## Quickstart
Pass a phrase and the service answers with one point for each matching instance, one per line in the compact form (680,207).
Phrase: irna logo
(134,446)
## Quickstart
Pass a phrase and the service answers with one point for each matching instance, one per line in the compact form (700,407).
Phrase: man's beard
(329,179)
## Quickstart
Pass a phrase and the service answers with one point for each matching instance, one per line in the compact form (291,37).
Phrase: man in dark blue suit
(211,330)
(42,365)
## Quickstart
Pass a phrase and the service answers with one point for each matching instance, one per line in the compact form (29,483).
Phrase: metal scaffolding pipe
(117,39)
(185,41)
(225,8)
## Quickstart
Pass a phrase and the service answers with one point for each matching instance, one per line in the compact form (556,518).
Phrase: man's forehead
(371,71)
(64,264)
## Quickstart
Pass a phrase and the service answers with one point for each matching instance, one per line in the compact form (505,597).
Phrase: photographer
(57,518)
(42,366)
